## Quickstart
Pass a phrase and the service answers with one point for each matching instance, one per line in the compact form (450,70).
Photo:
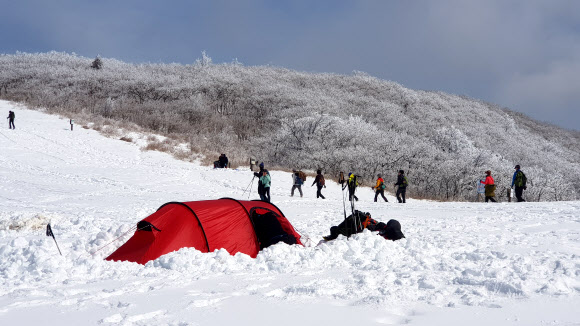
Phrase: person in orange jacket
(489,187)
(380,188)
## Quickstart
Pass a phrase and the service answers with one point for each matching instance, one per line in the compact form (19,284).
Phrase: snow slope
(461,263)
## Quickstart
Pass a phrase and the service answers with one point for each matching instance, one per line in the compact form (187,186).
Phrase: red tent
(234,225)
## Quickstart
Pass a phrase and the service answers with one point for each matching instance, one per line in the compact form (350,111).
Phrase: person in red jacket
(489,187)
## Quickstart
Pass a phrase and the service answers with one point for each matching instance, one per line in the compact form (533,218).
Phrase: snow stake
(50,234)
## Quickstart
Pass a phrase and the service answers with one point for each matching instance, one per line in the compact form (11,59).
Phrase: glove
(525,187)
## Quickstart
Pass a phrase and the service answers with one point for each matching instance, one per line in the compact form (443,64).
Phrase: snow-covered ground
(461,263)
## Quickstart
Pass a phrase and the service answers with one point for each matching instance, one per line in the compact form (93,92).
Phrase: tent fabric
(204,225)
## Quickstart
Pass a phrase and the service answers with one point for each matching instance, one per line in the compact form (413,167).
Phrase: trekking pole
(344,203)
(50,234)
(249,186)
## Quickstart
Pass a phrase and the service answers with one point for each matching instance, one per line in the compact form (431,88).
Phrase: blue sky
(524,55)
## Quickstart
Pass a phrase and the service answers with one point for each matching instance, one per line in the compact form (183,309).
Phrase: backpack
(297,179)
(302,175)
(405,182)
(382,186)
(521,179)
(321,181)
(352,183)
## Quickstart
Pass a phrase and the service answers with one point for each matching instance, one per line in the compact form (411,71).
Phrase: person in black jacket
(359,221)
(11,120)
(320,183)
(402,183)
(223,159)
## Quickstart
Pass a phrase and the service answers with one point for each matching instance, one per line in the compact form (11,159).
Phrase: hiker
(341,180)
(71,121)
(359,221)
(259,176)
(402,189)
(252,164)
(489,187)
(11,120)
(351,183)
(297,182)
(265,180)
(223,161)
(319,181)
(380,188)
(519,180)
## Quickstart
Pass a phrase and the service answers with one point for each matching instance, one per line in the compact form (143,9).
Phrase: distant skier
(72,122)
(297,183)
(11,120)
(519,180)
(402,183)
(320,183)
(380,188)
(489,187)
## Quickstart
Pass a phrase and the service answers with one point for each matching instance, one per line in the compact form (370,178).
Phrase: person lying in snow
(359,221)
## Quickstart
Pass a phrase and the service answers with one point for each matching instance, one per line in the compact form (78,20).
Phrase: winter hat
(262,164)
(517,166)
(401,172)
(393,230)
(379,175)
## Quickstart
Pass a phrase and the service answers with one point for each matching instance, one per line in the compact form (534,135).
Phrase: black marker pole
(50,234)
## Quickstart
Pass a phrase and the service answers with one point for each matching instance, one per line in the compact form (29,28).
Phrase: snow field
(459,260)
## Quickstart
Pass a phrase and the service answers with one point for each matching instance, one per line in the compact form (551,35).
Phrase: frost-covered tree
(97,63)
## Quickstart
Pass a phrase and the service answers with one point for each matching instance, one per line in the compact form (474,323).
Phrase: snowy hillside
(461,263)
(290,119)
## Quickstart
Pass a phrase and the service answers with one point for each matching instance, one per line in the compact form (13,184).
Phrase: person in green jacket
(265,180)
